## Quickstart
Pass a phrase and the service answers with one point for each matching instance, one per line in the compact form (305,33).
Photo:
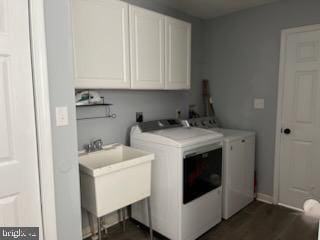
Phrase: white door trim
(43,122)
(284,34)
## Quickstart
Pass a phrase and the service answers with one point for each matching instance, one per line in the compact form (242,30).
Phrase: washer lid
(183,133)
(232,134)
(178,137)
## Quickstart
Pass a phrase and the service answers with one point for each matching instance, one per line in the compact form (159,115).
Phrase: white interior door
(300,137)
(147,49)
(19,177)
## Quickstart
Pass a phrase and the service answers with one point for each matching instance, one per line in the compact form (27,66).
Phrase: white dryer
(186,192)
(238,165)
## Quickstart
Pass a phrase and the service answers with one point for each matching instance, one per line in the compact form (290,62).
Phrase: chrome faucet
(93,146)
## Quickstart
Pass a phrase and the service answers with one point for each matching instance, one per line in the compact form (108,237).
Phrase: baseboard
(264,198)
(290,207)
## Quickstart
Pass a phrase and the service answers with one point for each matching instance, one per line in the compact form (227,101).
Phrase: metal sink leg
(150,218)
(124,218)
(99,228)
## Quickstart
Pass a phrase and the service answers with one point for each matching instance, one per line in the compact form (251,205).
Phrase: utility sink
(113,178)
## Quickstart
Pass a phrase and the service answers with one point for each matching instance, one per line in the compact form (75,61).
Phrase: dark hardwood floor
(258,221)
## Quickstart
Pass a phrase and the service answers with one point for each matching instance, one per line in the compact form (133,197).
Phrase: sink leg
(91,219)
(121,218)
(99,228)
(119,211)
(124,218)
(150,218)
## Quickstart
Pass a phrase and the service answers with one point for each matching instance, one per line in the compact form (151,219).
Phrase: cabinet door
(101,43)
(147,49)
(178,54)
(250,165)
(235,176)
(241,165)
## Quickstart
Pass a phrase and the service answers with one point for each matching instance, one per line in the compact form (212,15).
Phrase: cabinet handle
(243,140)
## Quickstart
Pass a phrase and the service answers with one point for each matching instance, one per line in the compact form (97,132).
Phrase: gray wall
(242,63)
(154,104)
(66,172)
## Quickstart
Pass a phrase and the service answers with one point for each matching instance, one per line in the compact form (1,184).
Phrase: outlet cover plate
(62,118)
(259,103)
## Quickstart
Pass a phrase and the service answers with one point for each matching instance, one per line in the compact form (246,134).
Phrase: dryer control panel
(159,125)
(204,122)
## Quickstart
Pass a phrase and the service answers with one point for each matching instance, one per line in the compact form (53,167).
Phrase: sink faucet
(94,145)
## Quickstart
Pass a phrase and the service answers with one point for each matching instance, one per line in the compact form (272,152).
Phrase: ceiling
(207,9)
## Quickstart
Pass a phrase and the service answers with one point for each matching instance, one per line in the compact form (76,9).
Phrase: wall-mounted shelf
(94,105)
(108,113)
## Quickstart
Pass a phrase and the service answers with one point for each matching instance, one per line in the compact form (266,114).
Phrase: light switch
(259,103)
(62,118)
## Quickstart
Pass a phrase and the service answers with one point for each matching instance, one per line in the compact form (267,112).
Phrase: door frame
(43,118)
(284,34)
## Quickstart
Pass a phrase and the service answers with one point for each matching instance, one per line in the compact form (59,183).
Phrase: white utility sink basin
(113,178)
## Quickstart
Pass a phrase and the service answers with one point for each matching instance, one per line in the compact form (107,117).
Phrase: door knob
(287,131)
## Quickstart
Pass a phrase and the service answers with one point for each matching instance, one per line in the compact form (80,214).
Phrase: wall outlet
(62,118)
(178,113)
(139,117)
(259,103)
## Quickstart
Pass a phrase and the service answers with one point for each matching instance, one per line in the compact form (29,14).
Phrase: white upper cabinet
(147,39)
(101,44)
(178,54)
(121,46)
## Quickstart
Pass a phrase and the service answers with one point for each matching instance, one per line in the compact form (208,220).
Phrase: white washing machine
(238,165)
(186,193)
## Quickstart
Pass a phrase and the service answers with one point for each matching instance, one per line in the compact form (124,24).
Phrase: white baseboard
(290,207)
(264,198)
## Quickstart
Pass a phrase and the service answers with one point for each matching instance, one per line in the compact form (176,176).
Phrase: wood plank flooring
(258,221)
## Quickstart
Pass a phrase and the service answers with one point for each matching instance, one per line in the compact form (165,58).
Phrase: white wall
(243,61)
